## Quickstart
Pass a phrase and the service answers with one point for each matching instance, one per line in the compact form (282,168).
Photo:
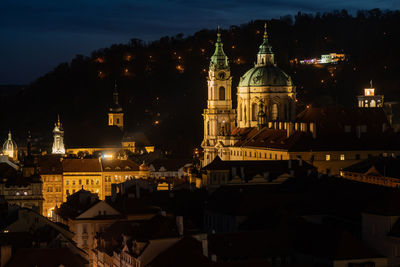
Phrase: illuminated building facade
(10,148)
(115,114)
(219,117)
(370,99)
(58,143)
(265,92)
(52,178)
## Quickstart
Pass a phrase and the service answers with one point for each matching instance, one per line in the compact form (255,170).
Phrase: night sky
(38,35)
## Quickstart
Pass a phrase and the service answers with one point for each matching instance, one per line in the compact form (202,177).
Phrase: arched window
(254,112)
(245,112)
(372,104)
(222,93)
(274,114)
(208,128)
(240,112)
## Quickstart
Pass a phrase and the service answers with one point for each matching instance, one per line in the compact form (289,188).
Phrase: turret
(265,55)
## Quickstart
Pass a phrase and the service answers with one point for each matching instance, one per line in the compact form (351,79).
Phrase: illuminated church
(265,94)
(265,125)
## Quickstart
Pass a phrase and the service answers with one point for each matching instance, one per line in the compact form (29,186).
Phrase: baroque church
(265,94)
(265,125)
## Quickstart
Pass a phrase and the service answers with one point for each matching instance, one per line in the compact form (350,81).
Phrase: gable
(100,208)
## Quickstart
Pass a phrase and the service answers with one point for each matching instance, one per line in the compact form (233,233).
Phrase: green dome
(268,75)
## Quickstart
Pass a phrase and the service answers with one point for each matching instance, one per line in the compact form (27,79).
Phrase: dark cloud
(30,29)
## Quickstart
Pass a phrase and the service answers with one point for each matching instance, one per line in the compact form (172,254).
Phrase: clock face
(221,75)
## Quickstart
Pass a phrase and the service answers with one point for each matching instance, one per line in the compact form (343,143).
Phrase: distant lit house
(19,190)
(370,99)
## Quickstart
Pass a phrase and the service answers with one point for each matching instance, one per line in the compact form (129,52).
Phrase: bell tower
(219,117)
(58,143)
(116,114)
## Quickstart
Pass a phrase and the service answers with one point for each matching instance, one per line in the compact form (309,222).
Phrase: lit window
(67,182)
(327,157)
(341,156)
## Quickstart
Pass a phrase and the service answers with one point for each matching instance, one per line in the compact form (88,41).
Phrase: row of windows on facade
(254,112)
(106,179)
(56,189)
(328,157)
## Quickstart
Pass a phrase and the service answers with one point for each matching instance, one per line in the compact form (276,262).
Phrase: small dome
(9,146)
(268,75)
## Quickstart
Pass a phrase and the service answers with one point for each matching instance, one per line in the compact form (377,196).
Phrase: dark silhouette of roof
(46,257)
(186,252)
(50,164)
(384,166)
(115,165)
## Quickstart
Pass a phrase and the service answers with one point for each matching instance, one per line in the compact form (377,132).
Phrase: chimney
(300,162)
(234,173)
(289,164)
(204,245)
(179,224)
(242,173)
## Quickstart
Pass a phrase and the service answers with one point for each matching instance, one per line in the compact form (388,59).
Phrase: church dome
(267,75)
(9,147)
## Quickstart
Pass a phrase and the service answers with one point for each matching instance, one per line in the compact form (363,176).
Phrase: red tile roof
(81,165)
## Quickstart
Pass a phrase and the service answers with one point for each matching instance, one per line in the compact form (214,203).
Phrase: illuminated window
(274,112)
(222,93)
(67,182)
(80,181)
(254,112)
(327,157)
(73,182)
(369,92)
(341,156)
(87,181)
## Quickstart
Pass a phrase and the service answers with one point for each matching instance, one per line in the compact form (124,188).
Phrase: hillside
(165,80)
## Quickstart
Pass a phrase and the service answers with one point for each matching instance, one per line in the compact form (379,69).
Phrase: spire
(265,55)
(9,135)
(219,60)
(58,120)
(265,32)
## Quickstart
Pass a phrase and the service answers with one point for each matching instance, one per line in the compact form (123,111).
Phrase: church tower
(115,114)
(219,117)
(58,143)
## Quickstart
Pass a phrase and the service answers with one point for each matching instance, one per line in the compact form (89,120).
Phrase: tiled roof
(50,164)
(116,165)
(170,164)
(386,166)
(81,165)
(46,257)
(186,252)
(324,141)
(333,119)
